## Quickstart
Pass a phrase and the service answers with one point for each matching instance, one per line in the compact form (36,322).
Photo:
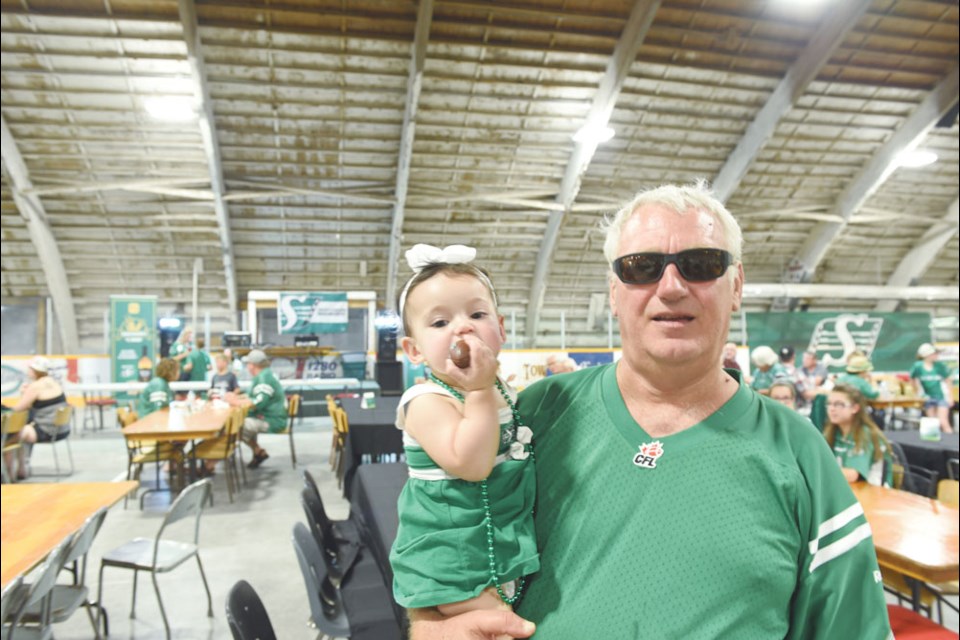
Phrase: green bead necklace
(485,495)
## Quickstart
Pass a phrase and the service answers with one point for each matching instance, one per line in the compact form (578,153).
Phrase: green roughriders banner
(890,340)
(304,312)
(133,338)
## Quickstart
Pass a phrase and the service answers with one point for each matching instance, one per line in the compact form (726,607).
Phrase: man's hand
(427,624)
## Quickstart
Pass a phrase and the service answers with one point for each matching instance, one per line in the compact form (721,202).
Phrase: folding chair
(339,530)
(246,615)
(38,594)
(13,423)
(339,558)
(327,614)
(224,448)
(341,427)
(65,599)
(293,410)
(61,422)
(159,555)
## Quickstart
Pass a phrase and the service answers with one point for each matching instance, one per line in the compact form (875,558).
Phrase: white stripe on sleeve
(835,523)
(836,549)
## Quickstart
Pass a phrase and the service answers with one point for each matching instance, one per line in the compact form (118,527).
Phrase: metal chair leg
(203,575)
(163,612)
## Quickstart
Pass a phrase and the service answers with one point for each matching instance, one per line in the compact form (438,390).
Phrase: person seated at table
(857,442)
(267,404)
(785,393)
(42,396)
(858,376)
(768,369)
(224,380)
(157,394)
(930,380)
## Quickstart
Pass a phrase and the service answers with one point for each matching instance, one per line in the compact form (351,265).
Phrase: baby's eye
(438,324)
(477,315)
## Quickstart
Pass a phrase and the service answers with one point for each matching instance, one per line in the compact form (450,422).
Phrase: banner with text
(133,337)
(890,340)
(305,312)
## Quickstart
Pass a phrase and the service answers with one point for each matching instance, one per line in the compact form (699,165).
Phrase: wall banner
(890,340)
(305,312)
(133,337)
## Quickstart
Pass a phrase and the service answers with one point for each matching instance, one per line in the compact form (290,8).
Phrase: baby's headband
(421,256)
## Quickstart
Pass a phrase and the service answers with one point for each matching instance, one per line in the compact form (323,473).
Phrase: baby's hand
(471,364)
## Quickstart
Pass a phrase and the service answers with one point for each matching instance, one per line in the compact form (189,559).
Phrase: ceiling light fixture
(170,108)
(916,158)
(592,133)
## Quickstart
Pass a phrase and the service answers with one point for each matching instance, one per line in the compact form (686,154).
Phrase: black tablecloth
(374,508)
(372,433)
(928,454)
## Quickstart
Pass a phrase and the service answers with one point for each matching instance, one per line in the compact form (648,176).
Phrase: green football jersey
(269,402)
(869,391)
(155,396)
(931,380)
(862,460)
(741,526)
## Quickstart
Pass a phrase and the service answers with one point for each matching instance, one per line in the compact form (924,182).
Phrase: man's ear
(738,287)
(412,351)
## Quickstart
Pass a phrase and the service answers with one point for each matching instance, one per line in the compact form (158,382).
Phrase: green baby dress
(441,554)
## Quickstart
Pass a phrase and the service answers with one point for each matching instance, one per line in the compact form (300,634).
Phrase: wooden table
(891,404)
(205,423)
(162,426)
(37,517)
(913,535)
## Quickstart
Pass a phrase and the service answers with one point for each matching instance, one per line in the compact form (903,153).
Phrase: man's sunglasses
(695,265)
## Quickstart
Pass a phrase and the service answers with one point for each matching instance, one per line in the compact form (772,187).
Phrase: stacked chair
(338,568)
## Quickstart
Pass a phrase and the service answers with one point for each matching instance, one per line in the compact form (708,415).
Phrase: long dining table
(35,518)
(915,536)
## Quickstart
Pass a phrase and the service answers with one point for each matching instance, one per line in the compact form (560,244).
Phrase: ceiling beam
(211,147)
(922,255)
(51,262)
(872,176)
(418,56)
(827,36)
(624,53)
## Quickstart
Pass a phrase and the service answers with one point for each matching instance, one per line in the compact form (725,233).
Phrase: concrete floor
(249,539)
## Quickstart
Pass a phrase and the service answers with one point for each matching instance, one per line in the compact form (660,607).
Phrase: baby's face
(447,307)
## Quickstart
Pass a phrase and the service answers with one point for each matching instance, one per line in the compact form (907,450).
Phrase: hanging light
(916,158)
(170,108)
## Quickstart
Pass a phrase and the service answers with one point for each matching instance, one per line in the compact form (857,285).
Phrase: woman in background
(42,396)
(856,440)
(930,380)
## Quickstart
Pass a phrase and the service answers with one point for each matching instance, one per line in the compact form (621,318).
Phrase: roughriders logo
(647,458)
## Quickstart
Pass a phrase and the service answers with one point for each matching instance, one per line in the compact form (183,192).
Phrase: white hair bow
(421,256)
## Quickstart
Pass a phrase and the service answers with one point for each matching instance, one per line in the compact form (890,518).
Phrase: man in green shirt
(266,403)
(199,362)
(673,501)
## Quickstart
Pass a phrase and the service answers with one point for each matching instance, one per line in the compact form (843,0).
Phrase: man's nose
(672,283)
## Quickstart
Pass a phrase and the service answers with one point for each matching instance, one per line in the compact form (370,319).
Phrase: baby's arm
(461,437)
(463,444)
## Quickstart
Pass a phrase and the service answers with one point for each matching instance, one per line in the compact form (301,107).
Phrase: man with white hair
(673,500)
